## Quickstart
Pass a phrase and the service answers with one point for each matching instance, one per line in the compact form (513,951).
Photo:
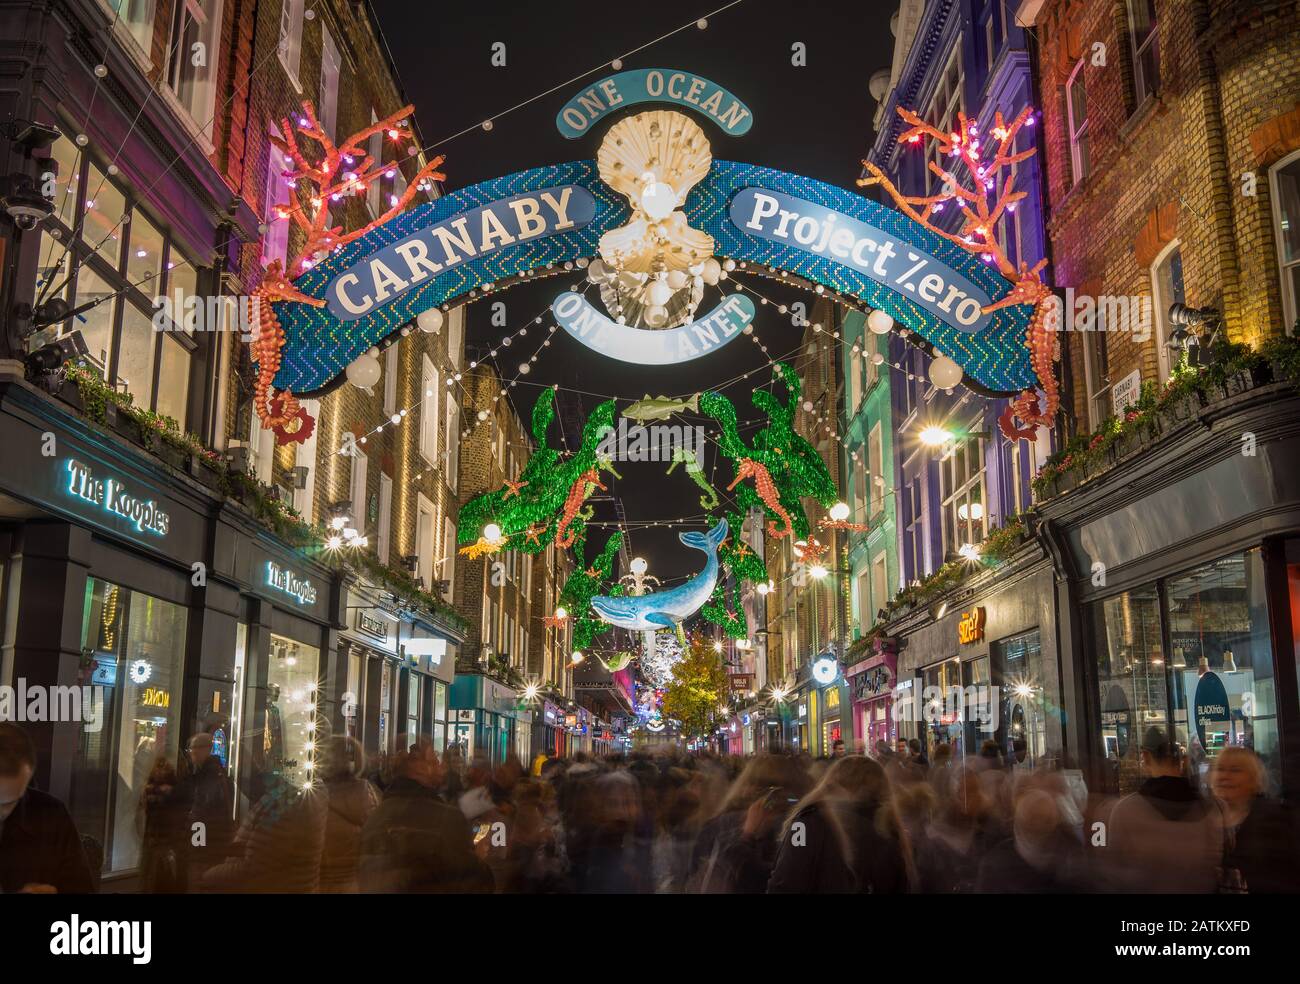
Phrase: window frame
(1160,303)
(291,20)
(206,88)
(1080,163)
(1143,88)
(1289,289)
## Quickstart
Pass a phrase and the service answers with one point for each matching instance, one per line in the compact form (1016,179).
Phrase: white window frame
(1078,168)
(875,472)
(1161,313)
(390,381)
(429,411)
(289,44)
(304,499)
(1290,294)
(384,534)
(331,68)
(879,588)
(944,117)
(375,150)
(451,444)
(357,483)
(275,244)
(425,538)
(448,571)
(1098,390)
(203,114)
(456,336)
(950,498)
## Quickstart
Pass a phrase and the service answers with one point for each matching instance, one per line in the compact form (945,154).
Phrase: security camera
(24,205)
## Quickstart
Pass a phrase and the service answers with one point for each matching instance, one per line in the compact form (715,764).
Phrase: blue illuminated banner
(429,251)
(664,85)
(886,259)
(653,348)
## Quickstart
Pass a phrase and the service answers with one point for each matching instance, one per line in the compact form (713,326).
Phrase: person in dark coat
(165,841)
(416,843)
(209,799)
(1041,857)
(1260,853)
(844,836)
(40,849)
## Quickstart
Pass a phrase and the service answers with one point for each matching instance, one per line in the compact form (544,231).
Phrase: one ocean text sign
(647,85)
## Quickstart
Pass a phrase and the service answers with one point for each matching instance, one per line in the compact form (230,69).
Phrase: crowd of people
(894,821)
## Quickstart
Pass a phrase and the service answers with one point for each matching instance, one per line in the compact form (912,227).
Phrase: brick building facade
(1164,126)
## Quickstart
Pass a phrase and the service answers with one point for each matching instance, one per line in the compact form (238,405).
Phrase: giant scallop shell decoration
(662,148)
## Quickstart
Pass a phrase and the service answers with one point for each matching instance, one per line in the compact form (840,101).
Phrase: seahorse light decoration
(978,235)
(566,532)
(766,488)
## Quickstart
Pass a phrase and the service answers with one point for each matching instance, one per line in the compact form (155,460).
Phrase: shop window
(102,228)
(1167,288)
(66,173)
(414,682)
(1023,707)
(193,53)
(135,358)
(1132,690)
(1219,636)
(289,47)
(1285,180)
(1144,48)
(284,740)
(131,640)
(95,323)
(1076,112)
(352,696)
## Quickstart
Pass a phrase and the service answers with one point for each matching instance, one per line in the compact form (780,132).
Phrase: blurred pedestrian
(352,800)
(40,850)
(1260,833)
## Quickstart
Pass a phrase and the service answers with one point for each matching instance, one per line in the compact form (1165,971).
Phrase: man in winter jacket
(416,843)
(1165,837)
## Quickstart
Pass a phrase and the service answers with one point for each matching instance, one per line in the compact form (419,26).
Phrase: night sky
(813,120)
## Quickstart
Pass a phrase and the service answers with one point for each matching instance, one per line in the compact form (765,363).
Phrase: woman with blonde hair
(1260,835)
(845,836)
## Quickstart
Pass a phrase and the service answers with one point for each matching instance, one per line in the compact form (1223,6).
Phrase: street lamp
(935,436)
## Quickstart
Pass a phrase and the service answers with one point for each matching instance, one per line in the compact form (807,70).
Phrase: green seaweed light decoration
(584,584)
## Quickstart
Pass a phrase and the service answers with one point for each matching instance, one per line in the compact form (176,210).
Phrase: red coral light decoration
(979,235)
(344,169)
(296,427)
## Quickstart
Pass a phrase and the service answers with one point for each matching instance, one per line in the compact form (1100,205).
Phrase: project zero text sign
(872,252)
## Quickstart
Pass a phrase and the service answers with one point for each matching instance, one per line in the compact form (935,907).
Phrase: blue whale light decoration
(668,609)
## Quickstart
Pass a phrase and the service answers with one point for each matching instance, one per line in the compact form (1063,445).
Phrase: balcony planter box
(1182,409)
(122,424)
(1129,442)
(70,393)
(1069,480)
(204,472)
(174,456)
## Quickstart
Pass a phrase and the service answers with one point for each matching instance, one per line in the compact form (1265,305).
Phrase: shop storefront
(871,685)
(487,718)
(1194,628)
(179,612)
(975,666)
(399,668)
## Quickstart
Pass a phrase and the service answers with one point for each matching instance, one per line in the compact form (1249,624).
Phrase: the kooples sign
(290,583)
(112,496)
(381,277)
